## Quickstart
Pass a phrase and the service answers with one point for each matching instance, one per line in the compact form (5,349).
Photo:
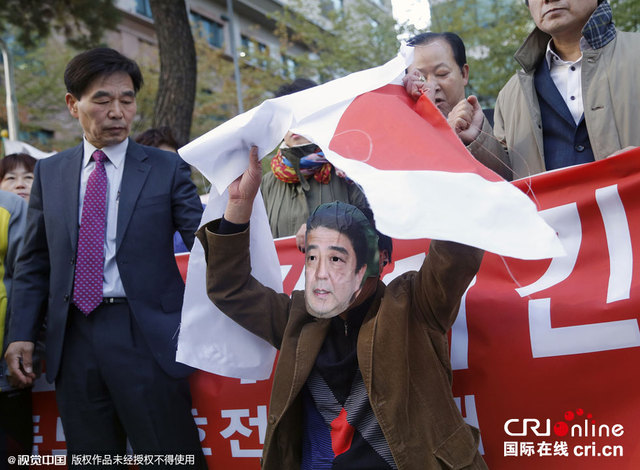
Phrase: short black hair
(12,161)
(157,136)
(384,242)
(349,221)
(84,68)
(455,41)
(298,84)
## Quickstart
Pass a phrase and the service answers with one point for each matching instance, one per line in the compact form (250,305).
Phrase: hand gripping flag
(418,177)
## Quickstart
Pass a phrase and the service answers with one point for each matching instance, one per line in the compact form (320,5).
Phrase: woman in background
(300,179)
(16,426)
(16,174)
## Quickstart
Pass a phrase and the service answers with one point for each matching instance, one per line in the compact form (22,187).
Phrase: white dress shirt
(111,283)
(567,77)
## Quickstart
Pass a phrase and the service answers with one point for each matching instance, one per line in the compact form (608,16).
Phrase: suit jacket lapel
(69,178)
(548,91)
(134,175)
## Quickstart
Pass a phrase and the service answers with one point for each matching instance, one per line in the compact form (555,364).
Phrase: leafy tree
(626,14)
(82,22)
(216,95)
(338,43)
(492,32)
(40,91)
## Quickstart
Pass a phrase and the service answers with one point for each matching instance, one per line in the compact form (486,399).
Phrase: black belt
(114,300)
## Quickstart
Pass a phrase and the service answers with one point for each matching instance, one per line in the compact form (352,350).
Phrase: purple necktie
(87,286)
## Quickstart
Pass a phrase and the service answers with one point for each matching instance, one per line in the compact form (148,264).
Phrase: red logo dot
(561,428)
(579,411)
(568,415)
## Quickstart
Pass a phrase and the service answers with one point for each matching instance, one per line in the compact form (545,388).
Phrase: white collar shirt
(567,76)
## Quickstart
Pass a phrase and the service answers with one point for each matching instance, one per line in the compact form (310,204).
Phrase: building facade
(253,26)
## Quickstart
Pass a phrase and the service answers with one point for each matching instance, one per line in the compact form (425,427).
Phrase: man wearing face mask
(440,72)
(301,179)
(363,378)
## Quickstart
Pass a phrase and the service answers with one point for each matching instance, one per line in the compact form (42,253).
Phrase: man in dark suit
(98,262)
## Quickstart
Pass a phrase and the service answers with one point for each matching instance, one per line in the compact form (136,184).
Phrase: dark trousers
(110,388)
(16,425)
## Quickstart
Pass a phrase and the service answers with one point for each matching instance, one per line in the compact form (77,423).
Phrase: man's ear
(72,104)
(465,74)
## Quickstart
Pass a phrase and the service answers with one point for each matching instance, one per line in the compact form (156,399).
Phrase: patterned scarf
(600,29)
(308,159)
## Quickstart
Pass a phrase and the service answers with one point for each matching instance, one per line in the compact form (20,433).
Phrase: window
(288,67)
(210,30)
(143,8)
(329,6)
(254,51)
(247,46)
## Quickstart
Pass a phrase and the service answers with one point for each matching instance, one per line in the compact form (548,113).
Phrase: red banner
(544,352)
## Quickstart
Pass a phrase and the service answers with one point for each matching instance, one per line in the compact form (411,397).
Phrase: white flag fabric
(418,177)
(17,146)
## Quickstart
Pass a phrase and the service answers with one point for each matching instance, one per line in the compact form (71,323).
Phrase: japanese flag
(418,177)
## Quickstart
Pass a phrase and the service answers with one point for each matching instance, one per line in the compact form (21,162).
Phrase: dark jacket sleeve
(235,292)
(186,205)
(16,231)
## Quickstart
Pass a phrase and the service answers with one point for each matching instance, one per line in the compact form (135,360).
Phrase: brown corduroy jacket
(402,351)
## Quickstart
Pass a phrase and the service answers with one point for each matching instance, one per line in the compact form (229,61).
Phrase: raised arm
(443,278)
(230,285)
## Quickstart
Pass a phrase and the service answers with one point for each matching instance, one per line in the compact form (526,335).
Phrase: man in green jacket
(575,99)
(363,379)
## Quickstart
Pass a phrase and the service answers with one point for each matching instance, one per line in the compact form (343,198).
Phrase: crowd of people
(363,378)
